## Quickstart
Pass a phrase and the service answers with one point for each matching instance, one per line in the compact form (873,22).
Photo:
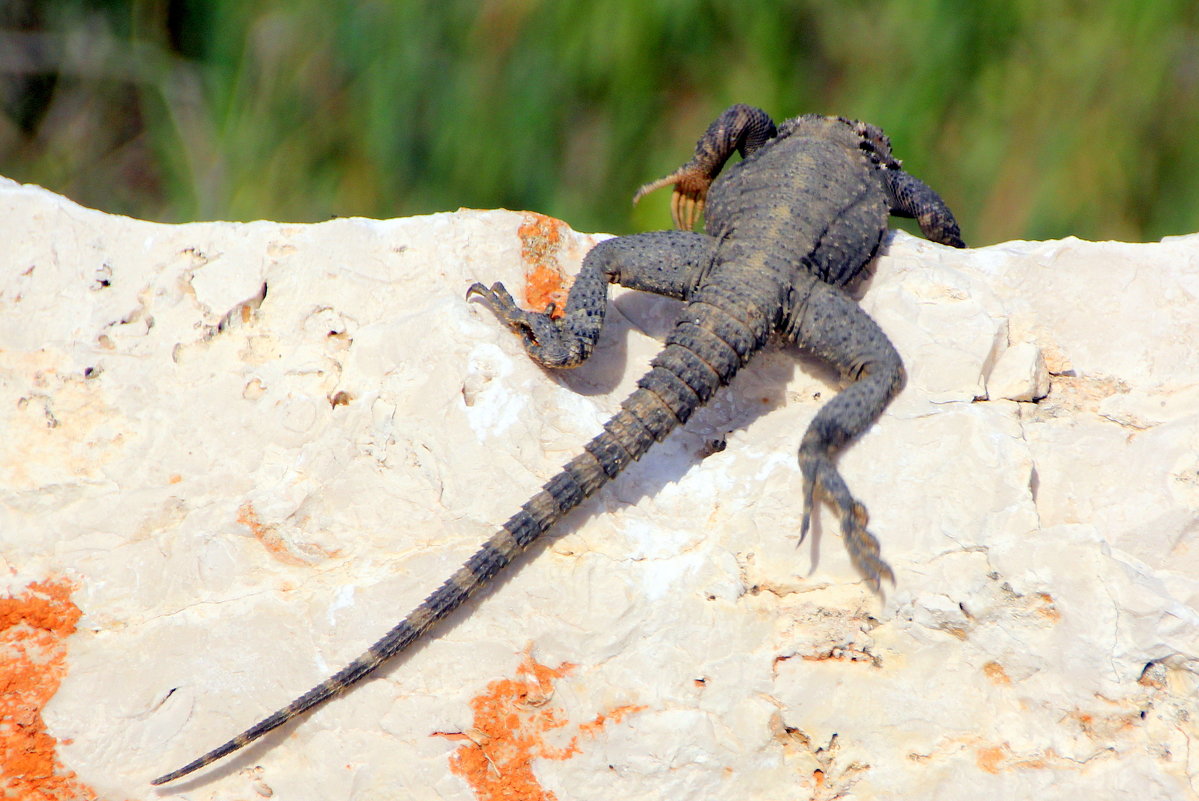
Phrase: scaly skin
(787,228)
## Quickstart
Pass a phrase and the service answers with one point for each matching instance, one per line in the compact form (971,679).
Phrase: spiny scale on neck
(702,354)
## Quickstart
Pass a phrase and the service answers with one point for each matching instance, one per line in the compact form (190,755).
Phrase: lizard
(787,228)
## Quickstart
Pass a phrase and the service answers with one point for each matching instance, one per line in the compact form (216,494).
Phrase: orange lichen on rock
(540,244)
(33,653)
(510,720)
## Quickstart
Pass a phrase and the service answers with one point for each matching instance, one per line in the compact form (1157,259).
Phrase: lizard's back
(801,201)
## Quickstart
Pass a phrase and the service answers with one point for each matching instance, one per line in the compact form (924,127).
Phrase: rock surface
(239,492)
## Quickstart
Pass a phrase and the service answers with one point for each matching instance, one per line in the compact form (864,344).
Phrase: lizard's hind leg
(667,263)
(830,325)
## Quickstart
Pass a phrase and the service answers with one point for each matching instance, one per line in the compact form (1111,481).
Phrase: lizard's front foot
(542,335)
(940,229)
(863,547)
(534,328)
(691,185)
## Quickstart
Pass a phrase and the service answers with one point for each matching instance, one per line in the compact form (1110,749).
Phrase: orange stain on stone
(1048,608)
(991,758)
(996,759)
(540,243)
(511,719)
(995,672)
(617,715)
(33,653)
(270,539)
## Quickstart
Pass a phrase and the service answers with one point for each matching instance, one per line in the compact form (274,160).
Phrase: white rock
(247,491)
(1019,374)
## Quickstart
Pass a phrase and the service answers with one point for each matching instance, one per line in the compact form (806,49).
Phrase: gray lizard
(787,228)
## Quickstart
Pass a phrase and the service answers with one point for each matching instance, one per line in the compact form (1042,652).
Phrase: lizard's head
(870,139)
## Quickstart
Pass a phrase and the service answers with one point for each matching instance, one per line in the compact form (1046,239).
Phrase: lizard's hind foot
(863,547)
(545,341)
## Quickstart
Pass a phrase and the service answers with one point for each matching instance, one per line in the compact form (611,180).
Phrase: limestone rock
(1020,374)
(249,449)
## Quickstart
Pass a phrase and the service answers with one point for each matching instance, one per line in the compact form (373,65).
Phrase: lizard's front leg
(911,197)
(742,128)
(830,325)
(667,263)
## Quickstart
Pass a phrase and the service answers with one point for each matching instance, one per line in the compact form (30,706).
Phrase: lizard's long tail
(694,363)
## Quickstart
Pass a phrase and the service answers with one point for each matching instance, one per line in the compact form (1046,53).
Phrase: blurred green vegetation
(1033,118)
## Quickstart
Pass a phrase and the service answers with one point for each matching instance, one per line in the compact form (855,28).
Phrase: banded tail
(682,379)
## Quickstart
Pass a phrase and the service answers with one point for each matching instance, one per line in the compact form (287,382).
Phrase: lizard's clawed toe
(863,547)
(685,209)
(691,185)
(500,301)
(541,334)
(653,186)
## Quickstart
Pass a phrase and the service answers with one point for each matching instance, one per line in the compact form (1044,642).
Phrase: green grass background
(1033,118)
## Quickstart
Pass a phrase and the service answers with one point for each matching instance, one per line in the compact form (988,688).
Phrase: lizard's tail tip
(653,186)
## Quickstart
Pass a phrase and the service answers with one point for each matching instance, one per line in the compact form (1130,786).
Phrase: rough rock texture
(241,492)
